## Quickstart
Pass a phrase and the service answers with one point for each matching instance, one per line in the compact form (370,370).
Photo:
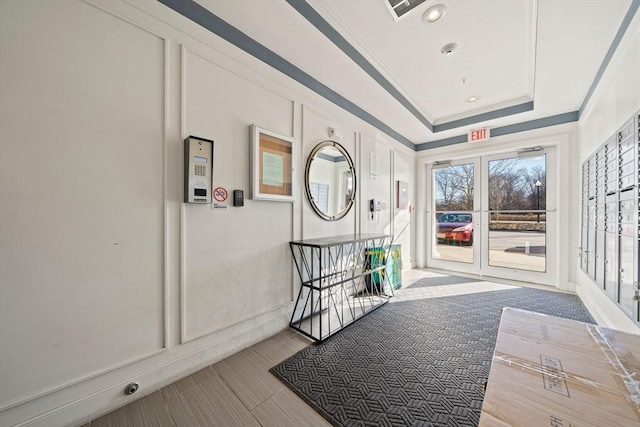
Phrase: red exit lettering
(478,135)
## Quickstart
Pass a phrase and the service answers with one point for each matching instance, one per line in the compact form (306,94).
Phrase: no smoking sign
(220,194)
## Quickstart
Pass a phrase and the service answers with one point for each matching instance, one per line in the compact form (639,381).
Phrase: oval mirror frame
(307,175)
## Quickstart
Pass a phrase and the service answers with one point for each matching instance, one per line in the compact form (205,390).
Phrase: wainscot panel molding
(66,235)
(232,272)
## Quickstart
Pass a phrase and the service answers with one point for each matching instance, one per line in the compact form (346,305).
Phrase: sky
(531,162)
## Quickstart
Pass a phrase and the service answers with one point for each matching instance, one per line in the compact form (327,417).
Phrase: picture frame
(272,175)
(402,194)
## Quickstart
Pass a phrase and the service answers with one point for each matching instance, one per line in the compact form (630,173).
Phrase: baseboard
(594,309)
(601,308)
(411,263)
(77,407)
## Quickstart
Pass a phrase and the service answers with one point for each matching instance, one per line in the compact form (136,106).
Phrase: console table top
(339,240)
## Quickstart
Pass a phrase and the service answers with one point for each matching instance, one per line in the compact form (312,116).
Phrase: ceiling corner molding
(321,24)
(216,25)
(544,122)
(200,15)
(624,26)
(460,139)
(489,115)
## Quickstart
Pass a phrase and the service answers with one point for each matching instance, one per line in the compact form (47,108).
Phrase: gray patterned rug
(418,362)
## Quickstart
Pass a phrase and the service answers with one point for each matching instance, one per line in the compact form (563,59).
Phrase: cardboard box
(548,371)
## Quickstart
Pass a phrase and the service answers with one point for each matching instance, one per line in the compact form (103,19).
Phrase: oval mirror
(330,180)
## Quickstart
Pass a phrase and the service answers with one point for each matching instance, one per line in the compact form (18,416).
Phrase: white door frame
(557,146)
(551,257)
(463,267)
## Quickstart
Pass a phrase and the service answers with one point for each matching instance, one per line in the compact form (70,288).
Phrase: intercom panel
(198,169)
(374,206)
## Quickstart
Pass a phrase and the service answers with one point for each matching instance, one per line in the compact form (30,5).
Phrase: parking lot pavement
(518,250)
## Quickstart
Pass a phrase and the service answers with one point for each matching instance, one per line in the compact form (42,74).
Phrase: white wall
(390,166)
(106,277)
(615,100)
(404,218)
(233,258)
(376,157)
(82,184)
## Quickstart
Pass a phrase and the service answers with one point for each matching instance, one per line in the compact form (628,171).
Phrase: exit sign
(478,135)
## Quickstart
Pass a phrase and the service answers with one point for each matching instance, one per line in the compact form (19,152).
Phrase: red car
(455,227)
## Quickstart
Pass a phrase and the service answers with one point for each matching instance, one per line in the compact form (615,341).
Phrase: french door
(494,216)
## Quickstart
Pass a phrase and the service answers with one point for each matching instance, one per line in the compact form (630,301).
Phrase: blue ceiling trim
(442,143)
(544,122)
(490,115)
(635,4)
(311,15)
(200,15)
(332,159)
(325,28)
(558,119)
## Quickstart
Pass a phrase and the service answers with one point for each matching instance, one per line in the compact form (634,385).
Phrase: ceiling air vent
(400,8)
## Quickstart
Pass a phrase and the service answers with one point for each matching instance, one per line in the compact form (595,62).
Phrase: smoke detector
(448,48)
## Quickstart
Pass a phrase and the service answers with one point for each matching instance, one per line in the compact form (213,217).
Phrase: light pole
(538,184)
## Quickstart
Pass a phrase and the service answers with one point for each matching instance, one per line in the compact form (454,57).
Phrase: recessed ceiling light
(434,13)
(448,48)
(473,98)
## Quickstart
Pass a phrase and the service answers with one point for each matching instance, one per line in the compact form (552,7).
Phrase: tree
(502,184)
(454,188)
(509,188)
(445,189)
(530,177)
(464,184)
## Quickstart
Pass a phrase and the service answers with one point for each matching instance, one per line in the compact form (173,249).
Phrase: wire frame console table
(343,279)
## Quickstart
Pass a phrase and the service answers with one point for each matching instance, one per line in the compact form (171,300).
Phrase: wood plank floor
(237,391)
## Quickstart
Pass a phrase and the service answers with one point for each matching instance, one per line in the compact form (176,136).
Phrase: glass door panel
(454,215)
(517,189)
(518,240)
(491,215)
